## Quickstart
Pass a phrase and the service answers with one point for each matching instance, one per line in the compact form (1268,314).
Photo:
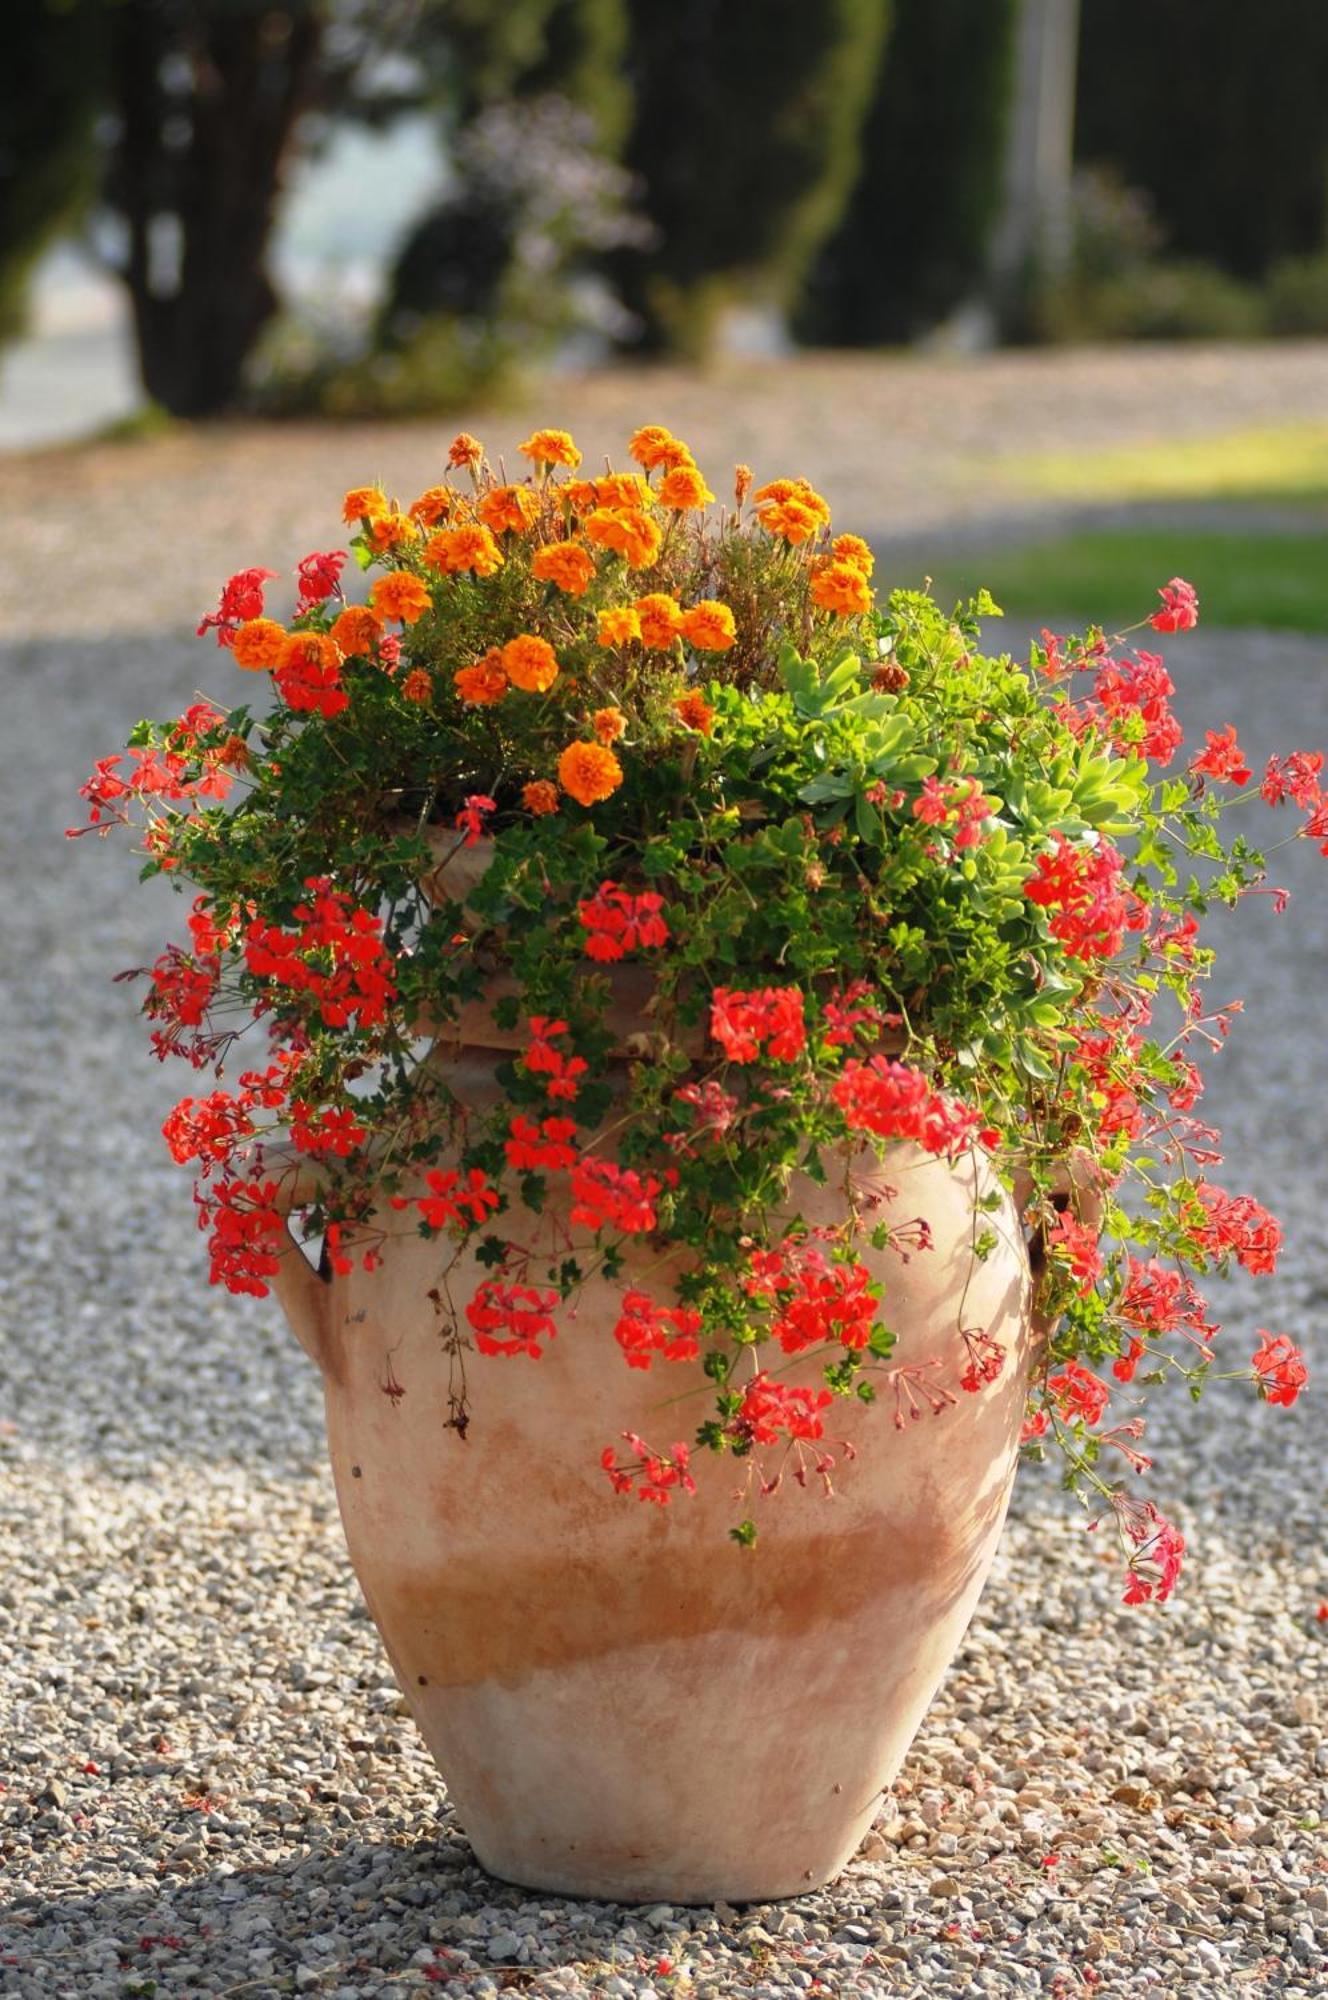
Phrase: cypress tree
(1219,112)
(745,137)
(912,244)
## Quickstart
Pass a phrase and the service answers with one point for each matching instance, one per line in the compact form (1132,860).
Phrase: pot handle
(304,1293)
(1075,1188)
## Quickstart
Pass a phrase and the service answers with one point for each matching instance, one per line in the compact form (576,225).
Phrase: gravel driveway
(209,1785)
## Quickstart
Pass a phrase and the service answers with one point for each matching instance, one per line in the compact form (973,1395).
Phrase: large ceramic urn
(624,1702)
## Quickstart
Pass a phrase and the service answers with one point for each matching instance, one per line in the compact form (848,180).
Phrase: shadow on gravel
(346,1911)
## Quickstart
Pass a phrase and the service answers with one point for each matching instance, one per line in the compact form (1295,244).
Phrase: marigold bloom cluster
(589,772)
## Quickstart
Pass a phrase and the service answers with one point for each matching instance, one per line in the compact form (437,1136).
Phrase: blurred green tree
(473,57)
(583,59)
(469,53)
(1219,112)
(745,136)
(50,92)
(913,241)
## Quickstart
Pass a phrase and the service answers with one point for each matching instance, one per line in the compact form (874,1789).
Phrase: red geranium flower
(1180,607)
(616,922)
(241,599)
(1223,758)
(511,1319)
(1280,1367)
(765,1021)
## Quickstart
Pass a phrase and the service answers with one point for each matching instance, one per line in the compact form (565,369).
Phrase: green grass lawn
(1111,578)
(1290,466)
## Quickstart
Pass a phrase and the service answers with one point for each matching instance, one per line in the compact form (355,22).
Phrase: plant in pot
(685,1032)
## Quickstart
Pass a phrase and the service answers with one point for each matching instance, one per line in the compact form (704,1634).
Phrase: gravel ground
(209,1783)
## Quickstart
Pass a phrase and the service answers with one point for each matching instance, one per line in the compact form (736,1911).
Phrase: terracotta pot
(623,1702)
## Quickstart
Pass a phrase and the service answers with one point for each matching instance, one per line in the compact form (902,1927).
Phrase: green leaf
(820,789)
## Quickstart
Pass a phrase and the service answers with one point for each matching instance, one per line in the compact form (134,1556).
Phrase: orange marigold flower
(790,519)
(588,772)
(565,563)
(646,444)
(356,630)
(390,530)
(509,507)
(852,549)
(401,595)
(484,683)
(530,663)
(417,685)
(312,649)
(608,724)
(693,709)
(709,626)
(433,506)
(742,483)
(623,489)
(618,627)
(579,495)
(362,503)
(539,796)
(551,448)
(627,530)
(469,548)
(842,587)
(684,488)
(652,445)
(465,450)
(258,644)
(781,490)
(661,620)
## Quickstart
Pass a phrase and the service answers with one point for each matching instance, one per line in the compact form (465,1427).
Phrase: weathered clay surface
(623,1702)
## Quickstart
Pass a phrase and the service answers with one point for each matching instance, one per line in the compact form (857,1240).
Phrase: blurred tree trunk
(1033,240)
(207,99)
